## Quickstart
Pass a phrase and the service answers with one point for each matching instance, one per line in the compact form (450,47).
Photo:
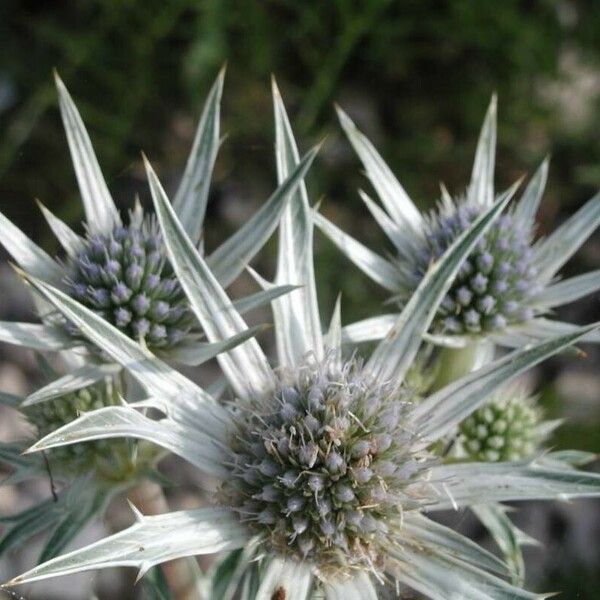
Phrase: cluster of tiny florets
(502,430)
(494,285)
(123,276)
(52,414)
(324,471)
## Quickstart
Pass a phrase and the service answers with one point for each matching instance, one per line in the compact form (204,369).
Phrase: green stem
(454,363)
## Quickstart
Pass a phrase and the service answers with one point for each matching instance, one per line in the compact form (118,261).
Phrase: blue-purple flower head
(494,286)
(324,471)
(124,277)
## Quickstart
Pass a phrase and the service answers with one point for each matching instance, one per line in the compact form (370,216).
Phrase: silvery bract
(120,270)
(508,285)
(323,463)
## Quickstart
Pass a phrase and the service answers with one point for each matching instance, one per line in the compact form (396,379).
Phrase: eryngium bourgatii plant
(120,270)
(509,282)
(326,478)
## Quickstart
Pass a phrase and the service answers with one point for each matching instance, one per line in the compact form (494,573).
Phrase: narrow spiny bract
(124,277)
(102,460)
(323,462)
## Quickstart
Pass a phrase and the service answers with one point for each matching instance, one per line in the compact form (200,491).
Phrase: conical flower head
(124,277)
(323,468)
(497,283)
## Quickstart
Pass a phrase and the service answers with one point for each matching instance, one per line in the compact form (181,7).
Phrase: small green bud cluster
(502,430)
(325,470)
(49,415)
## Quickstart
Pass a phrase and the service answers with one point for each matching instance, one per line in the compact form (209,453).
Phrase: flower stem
(454,363)
(183,576)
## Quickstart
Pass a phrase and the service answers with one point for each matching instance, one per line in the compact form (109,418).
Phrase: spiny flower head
(494,287)
(323,469)
(124,277)
(507,285)
(508,427)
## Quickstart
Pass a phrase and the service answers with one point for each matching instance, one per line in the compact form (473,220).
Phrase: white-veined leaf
(100,210)
(395,353)
(288,579)
(234,254)
(440,412)
(248,303)
(568,290)
(358,587)
(552,253)
(246,366)
(150,541)
(186,401)
(68,239)
(452,543)
(295,253)
(380,270)
(393,196)
(202,450)
(480,483)
(201,352)
(333,340)
(537,330)
(372,329)
(388,226)
(506,535)
(27,254)
(481,187)
(36,336)
(192,195)
(441,577)
(76,380)
(526,208)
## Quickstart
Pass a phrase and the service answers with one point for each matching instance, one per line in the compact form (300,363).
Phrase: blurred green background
(415,75)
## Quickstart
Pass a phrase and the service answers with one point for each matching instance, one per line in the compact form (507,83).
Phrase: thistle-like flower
(508,283)
(120,270)
(325,473)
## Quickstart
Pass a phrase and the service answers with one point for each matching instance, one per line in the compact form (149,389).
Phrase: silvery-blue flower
(119,267)
(324,479)
(507,288)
